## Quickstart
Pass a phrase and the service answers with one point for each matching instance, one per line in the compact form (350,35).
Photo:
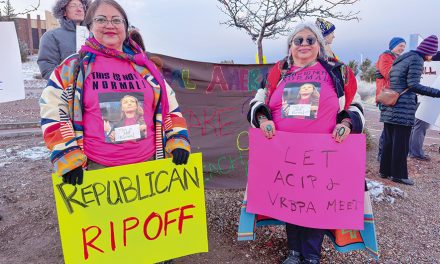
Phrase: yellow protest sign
(138,213)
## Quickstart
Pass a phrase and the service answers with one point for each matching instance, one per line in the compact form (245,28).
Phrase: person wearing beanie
(418,131)
(328,32)
(59,43)
(383,67)
(398,119)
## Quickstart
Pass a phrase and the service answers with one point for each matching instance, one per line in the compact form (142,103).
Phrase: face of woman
(306,89)
(330,37)
(129,104)
(304,47)
(75,11)
(399,48)
(110,33)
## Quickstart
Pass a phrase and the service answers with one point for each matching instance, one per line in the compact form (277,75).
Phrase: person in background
(398,120)
(307,57)
(59,43)
(328,32)
(418,133)
(383,68)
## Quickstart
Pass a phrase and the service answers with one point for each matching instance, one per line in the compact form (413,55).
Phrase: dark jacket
(436,57)
(406,73)
(55,46)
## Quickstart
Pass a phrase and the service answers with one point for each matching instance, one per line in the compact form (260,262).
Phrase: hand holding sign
(180,156)
(268,128)
(74,176)
(341,132)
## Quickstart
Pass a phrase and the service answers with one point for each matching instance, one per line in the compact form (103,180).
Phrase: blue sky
(191,29)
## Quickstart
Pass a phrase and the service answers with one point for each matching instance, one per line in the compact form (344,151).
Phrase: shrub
(24,51)
(369,140)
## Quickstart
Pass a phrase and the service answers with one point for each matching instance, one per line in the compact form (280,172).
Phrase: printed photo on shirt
(301,100)
(123,116)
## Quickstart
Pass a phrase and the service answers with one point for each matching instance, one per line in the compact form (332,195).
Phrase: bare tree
(267,19)
(7,12)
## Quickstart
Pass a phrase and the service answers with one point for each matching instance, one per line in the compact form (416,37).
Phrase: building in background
(30,30)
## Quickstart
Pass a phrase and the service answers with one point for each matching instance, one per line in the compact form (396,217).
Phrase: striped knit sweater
(62,123)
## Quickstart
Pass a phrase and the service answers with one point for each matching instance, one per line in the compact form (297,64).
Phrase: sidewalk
(11,130)
(22,132)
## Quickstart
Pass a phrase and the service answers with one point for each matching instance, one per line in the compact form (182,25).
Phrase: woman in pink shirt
(109,105)
(305,93)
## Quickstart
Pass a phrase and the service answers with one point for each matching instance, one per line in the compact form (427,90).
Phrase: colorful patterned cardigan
(61,114)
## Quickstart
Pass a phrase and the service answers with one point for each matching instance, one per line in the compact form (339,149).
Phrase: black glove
(74,176)
(180,156)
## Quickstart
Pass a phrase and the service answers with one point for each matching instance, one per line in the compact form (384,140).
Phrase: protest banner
(307,179)
(139,213)
(11,75)
(214,99)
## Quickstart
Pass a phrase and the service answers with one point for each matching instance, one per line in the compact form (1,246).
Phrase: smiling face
(305,52)
(109,34)
(75,11)
(399,48)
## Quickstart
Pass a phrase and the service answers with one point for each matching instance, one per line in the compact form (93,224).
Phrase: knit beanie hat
(428,46)
(325,26)
(395,41)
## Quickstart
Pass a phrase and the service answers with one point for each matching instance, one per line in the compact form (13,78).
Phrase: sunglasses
(298,41)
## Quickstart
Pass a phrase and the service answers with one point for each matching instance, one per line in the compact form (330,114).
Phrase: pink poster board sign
(308,179)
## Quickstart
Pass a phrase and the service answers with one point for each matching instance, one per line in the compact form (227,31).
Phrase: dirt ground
(408,230)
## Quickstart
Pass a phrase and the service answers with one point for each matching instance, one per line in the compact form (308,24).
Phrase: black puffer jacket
(406,73)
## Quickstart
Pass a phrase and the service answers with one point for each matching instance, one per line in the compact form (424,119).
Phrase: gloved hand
(341,132)
(74,176)
(268,128)
(180,156)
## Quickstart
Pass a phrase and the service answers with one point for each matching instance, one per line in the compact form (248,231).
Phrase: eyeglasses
(74,6)
(116,21)
(300,40)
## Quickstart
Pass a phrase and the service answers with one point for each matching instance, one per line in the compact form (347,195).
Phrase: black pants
(305,240)
(395,151)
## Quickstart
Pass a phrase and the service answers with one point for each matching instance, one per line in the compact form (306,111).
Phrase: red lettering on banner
(112,236)
(125,229)
(147,221)
(183,216)
(217,79)
(87,244)
(132,223)
(244,76)
(215,121)
(167,222)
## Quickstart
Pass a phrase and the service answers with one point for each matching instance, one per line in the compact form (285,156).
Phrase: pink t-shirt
(118,114)
(305,102)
